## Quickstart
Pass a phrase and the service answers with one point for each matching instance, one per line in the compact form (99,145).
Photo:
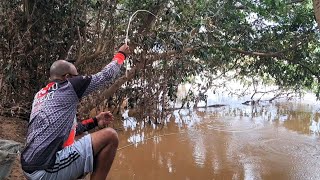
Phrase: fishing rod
(127,65)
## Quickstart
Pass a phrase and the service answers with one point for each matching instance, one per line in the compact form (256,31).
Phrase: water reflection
(315,127)
(270,141)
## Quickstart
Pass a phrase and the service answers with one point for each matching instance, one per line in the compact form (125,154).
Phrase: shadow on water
(269,141)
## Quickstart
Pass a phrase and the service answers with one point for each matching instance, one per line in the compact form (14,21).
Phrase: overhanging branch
(148,59)
(123,79)
(257,53)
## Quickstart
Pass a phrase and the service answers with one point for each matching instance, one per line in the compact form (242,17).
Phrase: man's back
(53,109)
(52,117)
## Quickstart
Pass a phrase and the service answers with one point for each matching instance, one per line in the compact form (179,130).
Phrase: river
(278,140)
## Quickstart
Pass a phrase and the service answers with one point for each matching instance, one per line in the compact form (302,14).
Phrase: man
(49,153)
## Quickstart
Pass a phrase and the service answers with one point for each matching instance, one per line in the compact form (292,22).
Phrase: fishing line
(153,137)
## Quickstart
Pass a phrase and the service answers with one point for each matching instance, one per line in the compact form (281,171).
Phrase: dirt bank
(14,129)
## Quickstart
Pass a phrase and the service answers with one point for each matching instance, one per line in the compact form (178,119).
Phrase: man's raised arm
(84,85)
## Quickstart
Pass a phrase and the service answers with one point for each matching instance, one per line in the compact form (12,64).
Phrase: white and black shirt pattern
(53,111)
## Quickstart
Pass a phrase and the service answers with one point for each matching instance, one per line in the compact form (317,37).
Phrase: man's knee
(111,135)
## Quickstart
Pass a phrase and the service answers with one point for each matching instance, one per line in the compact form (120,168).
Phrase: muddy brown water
(273,141)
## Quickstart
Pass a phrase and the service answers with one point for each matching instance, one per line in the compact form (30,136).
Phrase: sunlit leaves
(222,35)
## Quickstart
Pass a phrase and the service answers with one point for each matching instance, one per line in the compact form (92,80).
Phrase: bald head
(61,69)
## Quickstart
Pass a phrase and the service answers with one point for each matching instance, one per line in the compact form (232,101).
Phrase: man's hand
(122,54)
(104,118)
(125,49)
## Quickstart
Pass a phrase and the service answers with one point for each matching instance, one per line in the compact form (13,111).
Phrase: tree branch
(131,74)
(295,1)
(256,53)
(101,45)
(148,59)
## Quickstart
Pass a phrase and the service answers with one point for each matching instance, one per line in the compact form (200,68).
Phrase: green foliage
(273,39)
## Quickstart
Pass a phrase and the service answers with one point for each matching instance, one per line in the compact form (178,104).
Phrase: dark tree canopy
(274,40)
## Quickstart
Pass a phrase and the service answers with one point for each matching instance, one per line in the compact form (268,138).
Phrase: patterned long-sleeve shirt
(53,111)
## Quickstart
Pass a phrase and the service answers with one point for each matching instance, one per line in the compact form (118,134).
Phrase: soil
(16,130)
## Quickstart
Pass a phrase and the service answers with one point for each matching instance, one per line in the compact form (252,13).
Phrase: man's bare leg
(104,145)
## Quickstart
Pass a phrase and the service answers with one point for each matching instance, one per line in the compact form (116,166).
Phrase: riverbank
(14,129)
(228,142)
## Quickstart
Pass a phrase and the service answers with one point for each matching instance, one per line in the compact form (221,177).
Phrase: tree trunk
(316,7)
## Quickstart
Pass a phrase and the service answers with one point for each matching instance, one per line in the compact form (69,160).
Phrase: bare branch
(69,53)
(295,1)
(80,45)
(131,74)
